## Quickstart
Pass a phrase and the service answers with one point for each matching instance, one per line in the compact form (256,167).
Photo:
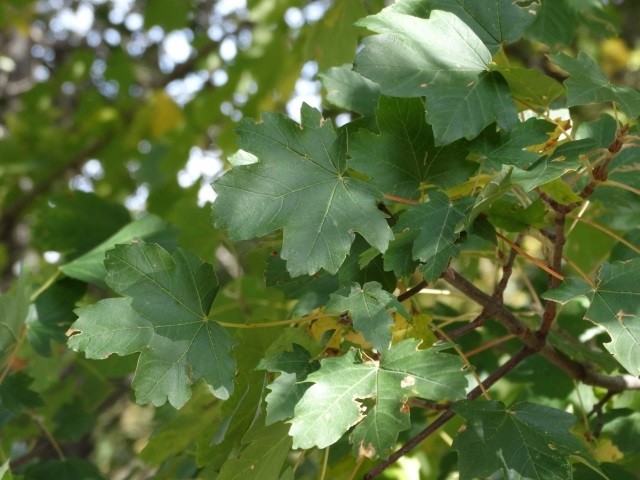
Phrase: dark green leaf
(403,158)
(70,469)
(14,308)
(439,222)
(497,148)
(587,84)
(75,223)
(53,314)
(262,457)
(350,90)
(615,305)
(16,394)
(164,316)
(90,266)
(525,441)
(300,185)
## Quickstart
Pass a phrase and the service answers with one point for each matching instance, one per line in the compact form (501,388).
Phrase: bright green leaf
(495,22)
(530,87)
(300,184)
(343,385)
(163,316)
(289,387)
(367,307)
(526,441)
(568,290)
(440,58)
(561,192)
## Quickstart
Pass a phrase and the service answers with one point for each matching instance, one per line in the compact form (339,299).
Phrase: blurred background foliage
(111,110)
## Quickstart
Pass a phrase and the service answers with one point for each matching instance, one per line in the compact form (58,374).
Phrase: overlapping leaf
(495,22)
(526,441)
(344,385)
(164,317)
(367,307)
(588,84)
(436,225)
(264,453)
(300,184)
(289,387)
(404,157)
(440,58)
(615,305)
(510,148)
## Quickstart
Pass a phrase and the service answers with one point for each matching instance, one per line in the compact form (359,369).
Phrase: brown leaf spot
(72,331)
(366,451)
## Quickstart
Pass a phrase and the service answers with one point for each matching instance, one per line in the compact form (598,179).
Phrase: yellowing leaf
(166,117)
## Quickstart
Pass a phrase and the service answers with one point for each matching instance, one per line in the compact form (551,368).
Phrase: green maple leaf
(436,225)
(367,307)
(14,309)
(508,148)
(346,386)
(587,84)
(526,441)
(615,305)
(404,157)
(495,22)
(164,317)
(530,87)
(289,387)
(262,457)
(299,184)
(440,58)
(350,90)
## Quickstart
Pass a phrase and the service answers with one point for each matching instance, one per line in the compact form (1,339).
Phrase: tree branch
(577,370)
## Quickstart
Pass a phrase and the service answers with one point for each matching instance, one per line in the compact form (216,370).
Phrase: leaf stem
(356,468)
(325,462)
(48,434)
(293,321)
(401,200)
(534,260)
(45,285)
(611,233)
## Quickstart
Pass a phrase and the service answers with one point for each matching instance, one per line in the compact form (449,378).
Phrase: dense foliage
(432,272)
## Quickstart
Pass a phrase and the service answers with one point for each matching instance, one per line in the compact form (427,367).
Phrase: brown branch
(577,370)
(449,414)
(412,291)
(498,295)
(559,238)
